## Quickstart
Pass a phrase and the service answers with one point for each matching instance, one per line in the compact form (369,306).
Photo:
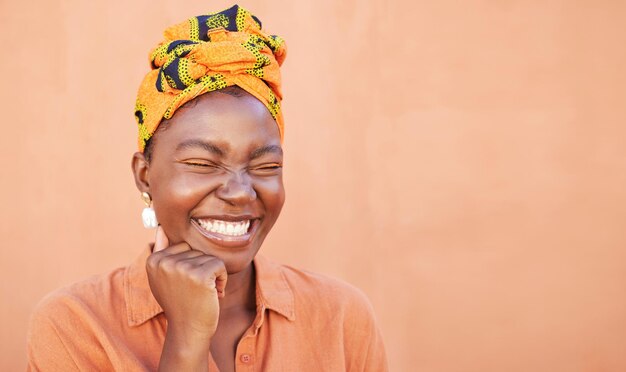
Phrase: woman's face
(215,177)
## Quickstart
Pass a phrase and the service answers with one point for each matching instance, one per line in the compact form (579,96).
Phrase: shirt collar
(272,290)
(140,303)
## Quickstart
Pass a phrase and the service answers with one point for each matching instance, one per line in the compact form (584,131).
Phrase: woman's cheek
(192,188)
(178,196)
(272,191)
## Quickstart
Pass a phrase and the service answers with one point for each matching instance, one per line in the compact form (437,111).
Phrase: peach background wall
(464,163)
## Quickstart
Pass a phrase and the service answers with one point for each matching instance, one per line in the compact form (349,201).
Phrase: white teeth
(225,227)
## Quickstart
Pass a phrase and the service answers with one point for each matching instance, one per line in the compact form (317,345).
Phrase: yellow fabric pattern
(208,53)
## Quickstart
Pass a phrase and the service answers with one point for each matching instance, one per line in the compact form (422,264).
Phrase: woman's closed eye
(198,163)
(269,168)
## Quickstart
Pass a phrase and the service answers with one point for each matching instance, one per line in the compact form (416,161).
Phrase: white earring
(147,215)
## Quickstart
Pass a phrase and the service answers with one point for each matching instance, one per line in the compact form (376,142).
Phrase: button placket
(245,354)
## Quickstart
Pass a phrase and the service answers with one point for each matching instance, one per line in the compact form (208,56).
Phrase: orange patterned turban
(207,53)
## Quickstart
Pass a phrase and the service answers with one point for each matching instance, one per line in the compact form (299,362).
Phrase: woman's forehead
(224,149)
(227,122)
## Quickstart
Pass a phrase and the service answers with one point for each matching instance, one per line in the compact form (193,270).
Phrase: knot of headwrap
(208,53)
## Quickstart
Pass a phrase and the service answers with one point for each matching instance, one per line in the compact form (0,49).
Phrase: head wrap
(208,53)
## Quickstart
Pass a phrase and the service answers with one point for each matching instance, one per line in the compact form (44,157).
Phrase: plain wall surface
(464,163)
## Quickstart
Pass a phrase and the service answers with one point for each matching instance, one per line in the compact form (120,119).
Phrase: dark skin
(218,161)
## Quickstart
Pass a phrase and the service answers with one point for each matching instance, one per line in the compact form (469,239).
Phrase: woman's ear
(140,167)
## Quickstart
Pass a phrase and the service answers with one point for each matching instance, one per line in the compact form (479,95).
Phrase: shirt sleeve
(365,350)
(376,357)
(46,349)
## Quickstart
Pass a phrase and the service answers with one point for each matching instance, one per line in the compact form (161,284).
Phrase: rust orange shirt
(304,322)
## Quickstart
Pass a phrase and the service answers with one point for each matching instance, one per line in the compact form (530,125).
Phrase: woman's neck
(240,291)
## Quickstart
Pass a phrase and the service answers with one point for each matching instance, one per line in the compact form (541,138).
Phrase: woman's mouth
(225,227)
(228,233)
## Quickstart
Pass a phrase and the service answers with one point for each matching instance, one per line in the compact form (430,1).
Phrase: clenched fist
(187,283)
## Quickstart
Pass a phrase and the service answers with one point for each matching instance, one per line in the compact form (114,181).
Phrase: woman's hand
(187,284)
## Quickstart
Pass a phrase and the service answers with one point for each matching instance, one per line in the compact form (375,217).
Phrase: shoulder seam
(56,332)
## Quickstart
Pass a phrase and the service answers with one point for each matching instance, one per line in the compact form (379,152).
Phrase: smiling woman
(210,166)
(217,168)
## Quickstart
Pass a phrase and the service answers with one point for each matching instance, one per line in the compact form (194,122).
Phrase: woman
(210,171)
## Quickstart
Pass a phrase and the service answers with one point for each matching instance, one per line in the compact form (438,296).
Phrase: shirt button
(246,358)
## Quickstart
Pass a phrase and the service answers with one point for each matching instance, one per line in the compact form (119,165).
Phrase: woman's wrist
(185,349)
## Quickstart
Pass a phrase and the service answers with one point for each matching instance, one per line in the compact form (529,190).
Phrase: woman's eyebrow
(266,149)
(196,143)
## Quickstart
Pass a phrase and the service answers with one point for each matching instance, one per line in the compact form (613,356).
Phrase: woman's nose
(237,189)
